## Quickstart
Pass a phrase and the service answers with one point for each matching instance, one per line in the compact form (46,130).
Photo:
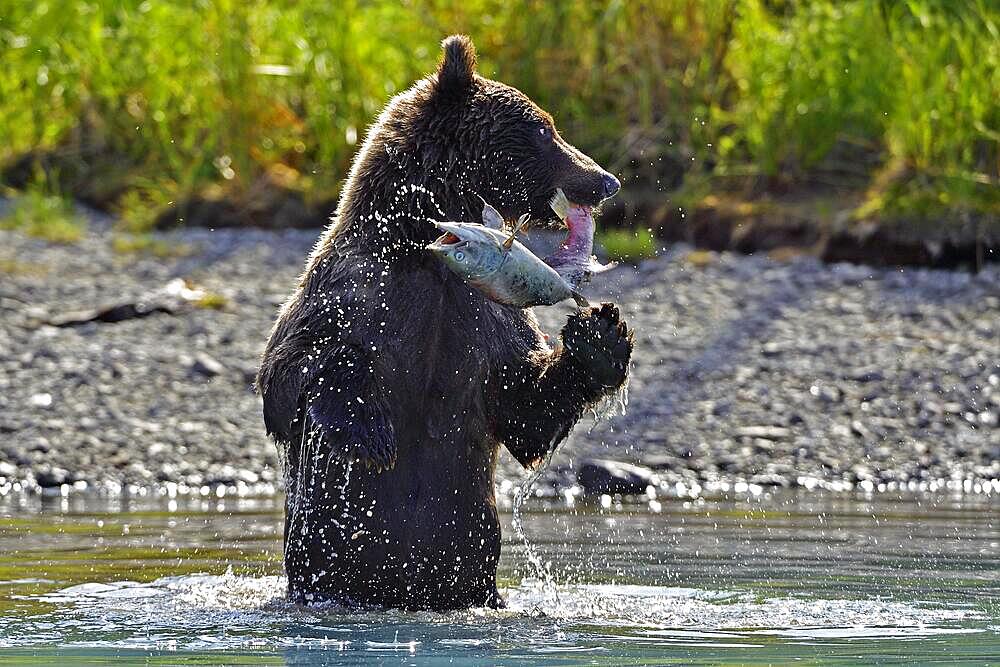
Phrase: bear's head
(454,137)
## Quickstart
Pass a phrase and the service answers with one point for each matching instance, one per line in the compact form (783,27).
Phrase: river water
(831,578)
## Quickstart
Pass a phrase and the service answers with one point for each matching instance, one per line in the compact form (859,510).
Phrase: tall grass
(915,80)
(803,81)
(152,102)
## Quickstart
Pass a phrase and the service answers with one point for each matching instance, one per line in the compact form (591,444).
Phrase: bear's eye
(544,131)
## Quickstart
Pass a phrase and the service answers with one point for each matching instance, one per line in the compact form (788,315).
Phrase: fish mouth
(445,242)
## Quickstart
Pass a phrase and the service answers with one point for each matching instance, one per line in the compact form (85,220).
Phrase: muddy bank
(747,370)
(822,226)
(787,221)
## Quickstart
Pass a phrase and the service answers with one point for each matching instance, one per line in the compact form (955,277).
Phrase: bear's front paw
(600,343)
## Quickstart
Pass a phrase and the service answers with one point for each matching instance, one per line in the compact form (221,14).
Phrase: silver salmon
(493,262)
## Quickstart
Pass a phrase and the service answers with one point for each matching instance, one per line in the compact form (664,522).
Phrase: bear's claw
(600,343)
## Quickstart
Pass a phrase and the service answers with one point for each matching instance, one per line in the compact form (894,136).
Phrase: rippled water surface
(825,578)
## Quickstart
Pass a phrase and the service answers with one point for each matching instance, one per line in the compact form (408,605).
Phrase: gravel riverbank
(746,370)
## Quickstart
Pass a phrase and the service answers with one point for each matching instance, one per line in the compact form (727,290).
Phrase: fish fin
(560,204)
(491,216)
(581,300)
(521,222)
(596,267)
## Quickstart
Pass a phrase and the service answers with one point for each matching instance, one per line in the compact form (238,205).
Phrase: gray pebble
(744,369)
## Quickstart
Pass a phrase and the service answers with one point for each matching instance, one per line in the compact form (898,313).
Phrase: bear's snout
(588,186)
(611,186)
(583,180)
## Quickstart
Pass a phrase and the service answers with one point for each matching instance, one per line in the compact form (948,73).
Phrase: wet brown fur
(390,384)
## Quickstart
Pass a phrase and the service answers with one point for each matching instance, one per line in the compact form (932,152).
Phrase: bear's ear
(458,66)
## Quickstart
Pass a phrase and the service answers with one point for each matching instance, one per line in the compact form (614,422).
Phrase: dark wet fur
(390,384)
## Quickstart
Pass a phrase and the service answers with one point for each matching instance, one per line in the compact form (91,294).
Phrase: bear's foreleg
(547,395)
(347,404)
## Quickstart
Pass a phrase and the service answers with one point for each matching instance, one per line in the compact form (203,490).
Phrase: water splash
(414,188)
(344,498)
(233,612)
(614,404)
(542,571)
(641,594)
(610,406)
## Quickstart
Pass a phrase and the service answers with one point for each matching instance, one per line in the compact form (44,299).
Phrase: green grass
(913,82)
(45,216)
(148,103)
(13,267)
(628,245)
(212,301)
(147,244)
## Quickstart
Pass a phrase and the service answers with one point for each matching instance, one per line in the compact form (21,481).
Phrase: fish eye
(460,256)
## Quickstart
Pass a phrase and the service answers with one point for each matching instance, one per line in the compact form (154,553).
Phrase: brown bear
(390,384)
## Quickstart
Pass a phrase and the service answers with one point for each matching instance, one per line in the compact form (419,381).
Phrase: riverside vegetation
(231,113)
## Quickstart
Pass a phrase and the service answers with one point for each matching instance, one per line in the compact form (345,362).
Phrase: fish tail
(581,300)
(560,204)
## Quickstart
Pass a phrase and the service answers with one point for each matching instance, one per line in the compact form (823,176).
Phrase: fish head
(467,249)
